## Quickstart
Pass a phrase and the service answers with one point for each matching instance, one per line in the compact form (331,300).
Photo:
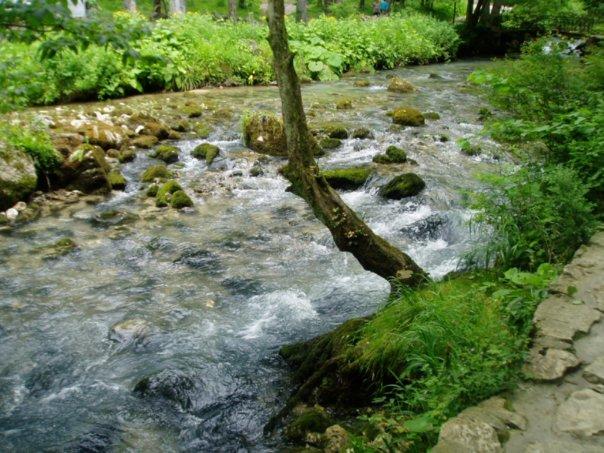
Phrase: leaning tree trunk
(233,9)
(349,232)
(302,11)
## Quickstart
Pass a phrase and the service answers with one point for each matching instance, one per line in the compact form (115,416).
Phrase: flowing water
(221,288)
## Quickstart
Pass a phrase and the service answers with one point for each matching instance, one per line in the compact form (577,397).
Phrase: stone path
(561,410)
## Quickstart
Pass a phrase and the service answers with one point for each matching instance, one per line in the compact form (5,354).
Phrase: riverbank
(195,51)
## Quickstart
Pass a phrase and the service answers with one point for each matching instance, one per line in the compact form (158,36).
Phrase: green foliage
(445,347)
(195,50)
(534,215)
(544,15)
(35,141)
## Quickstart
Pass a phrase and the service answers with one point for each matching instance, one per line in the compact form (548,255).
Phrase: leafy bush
(535,215)
(196,50)
(36,142)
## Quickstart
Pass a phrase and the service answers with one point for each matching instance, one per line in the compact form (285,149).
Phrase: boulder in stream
(167,153)
(130,331)
(156,173)
(86,170)
(399,85)
(393,155)
(168,385)
(206,151)
(408,116)
(402,186)
(347,178)
(264,133)
(18,177)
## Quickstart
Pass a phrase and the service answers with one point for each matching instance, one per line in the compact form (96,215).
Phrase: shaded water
(220,288)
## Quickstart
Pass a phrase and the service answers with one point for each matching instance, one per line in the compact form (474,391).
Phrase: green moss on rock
(393,155)
(432,116)
(408,116)
(127,155)
(18,176)
(344,104)
(192,111)
(156,172)
(330,143)
(264,133)
(116,180)
(164,194)
(60,248)
(206,151)
(399,85)
(361,83)
(145,141)
(152,190)
(180,200)
(202,130)
(347,178)
(362,133)
(167,153)
(335,130)
(401,186)
(308,420)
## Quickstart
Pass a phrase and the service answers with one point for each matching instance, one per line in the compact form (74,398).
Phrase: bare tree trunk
(349,232)
(302,11)
(130,5)
(159,9)
(177,7)
(233,9)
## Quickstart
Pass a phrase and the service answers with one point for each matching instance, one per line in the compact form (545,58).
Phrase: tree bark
(302,11)
(130,5)
(349,232)
(233,9)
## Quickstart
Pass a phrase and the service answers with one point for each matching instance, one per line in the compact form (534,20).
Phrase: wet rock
(402,186)
(362,83)
(435,76)
(362,133)
(86,170)
(408,116)
(550,366)
(243,286)
(166,192)
(344,104)
(167,153)
(308,420)
(192,111)
(11,214)
(562,317)
(180,200)
(264,133)
(206,151)
(156,173)
(101,438)
(152,190)
(347,178)
(202,130)
(594,372)
(335,130)
(104,135)
(145,141)
(256,170)
(201,259)
(581,414)
(393,155)
(116,180)
(430,228)
(398,85)
(330,143)
(168,385)
(60,248)
(66,142)
(181,126)
(466,435)
(18,178)
(149,126)
(130,331)
(113,217)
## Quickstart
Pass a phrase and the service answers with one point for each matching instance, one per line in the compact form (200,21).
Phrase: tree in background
(302,10)
(233,9)
(349,232)
(130,5)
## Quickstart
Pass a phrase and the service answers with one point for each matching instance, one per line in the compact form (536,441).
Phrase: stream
(222,287)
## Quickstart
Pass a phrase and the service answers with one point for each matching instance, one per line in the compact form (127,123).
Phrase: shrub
(35,141)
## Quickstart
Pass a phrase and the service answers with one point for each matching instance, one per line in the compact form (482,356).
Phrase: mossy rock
(347,178)
(180,200)
(398,85)
(167,153)
(330,143)
(174,135)
(116,180)
(402,186)
(432,116)
(192,111)
(361,83)
(18,177)
(362,133)
(165,192)
(393,155)
(60,248)
(344,104)
(127,155)
(308,420)
(152,190)
(264,133)
(202,130)
(335,130)
(256,170)
(181,126)
(86,169)
(145,141)
(408,116)
(206,151)
(156,172)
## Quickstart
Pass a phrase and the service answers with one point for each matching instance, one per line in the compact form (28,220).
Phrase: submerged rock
(130,331)
(399,85)
(393,155)
(344,104)
(156,172)
(167,385)
(401,186)
(361,83)
(60,248)
(347,178)
(167,153)
(201,259)
(206,151)
(18,178)
(113,217)
(408,116)
(101,438)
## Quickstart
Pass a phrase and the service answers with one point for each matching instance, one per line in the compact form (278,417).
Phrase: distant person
(376,8)
(384,7)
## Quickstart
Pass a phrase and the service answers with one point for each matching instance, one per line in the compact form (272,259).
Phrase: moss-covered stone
(156,172)
(127,155)
(116,180)
(192,111)
(167,153)
(393,155)
(361,83)
(408,116)
(150,126)
(306,421)
(181,126)
(432,116)
(399,85)
(401,186)
(206,151)
(347,178)
(60,248)
(18,176)
(256,170)
(86,169)
(152,190)
(180,200)
(362,133)
(104,135)
(165,192)
(264,133)
(202,130)
(145,141)
(344,104)
(330,143)
(335,130)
